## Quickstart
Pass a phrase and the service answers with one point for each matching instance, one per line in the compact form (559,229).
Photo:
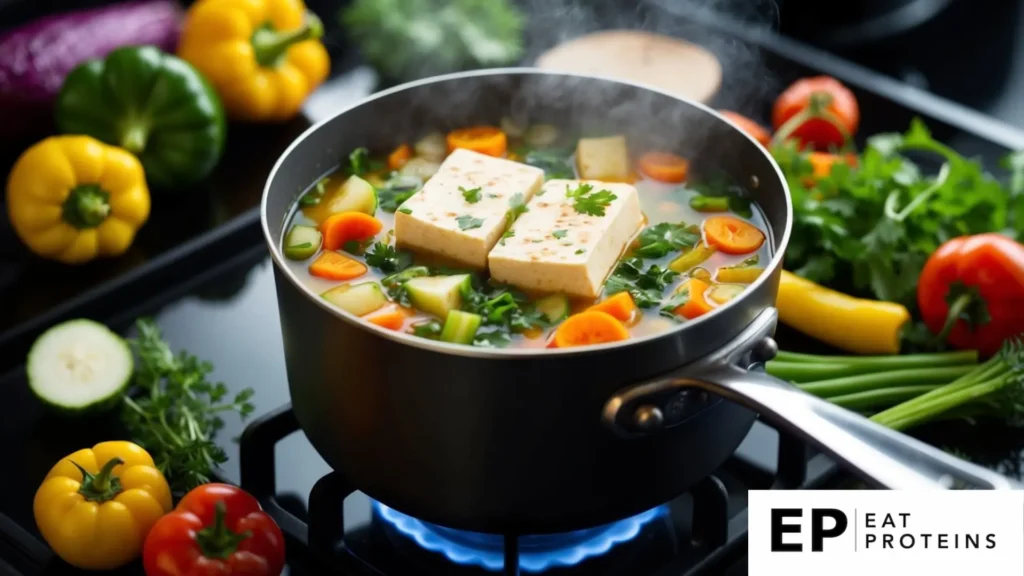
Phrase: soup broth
(553,209)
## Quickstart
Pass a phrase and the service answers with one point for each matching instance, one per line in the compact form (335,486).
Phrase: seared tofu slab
(461,211)
(569,239)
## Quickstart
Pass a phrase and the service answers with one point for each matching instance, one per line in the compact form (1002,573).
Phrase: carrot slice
(664,167)
(334,266)
(399,156)
(348,226)
(483,139)
(589,327)
(697,304)
(753,129)
(620,305)
(732,235)
(391,317)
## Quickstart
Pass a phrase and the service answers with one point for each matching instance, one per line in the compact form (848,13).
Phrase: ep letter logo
(825,523)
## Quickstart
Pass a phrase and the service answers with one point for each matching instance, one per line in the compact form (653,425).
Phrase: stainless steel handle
(881,456)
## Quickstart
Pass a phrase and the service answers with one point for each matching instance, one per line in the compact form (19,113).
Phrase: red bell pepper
(216,530)
(971,292)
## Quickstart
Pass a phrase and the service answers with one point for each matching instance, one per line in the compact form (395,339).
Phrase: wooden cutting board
(670,64)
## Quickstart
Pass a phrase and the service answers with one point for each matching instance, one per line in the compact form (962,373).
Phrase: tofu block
(441,220)
(554,248)
(605,159)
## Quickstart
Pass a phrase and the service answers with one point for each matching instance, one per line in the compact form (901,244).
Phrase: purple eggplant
(35,57)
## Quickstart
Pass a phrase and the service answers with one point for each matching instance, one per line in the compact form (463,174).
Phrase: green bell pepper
(153,104)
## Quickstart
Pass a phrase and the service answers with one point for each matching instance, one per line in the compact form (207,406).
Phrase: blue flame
(536,553)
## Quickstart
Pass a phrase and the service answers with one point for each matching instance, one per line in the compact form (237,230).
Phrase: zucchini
(692,257)
(302,242)
(723,293)
(460,327)
(432,147)
(437,295)
(739,275)
(420,168)
(79,366)
(555,307)
(359,299)
(355,195)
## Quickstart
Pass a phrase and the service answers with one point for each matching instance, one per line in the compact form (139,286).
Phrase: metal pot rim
(513,353)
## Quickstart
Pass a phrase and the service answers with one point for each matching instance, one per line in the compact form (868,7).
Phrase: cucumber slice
(460,327)
(356,195)
(359,299)
(437,295)
(79,366)
(554,306)
(302,242)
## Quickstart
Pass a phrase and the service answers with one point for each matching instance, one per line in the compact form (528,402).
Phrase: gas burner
(536,553)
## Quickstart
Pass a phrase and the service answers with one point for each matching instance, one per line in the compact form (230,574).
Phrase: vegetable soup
(520,236)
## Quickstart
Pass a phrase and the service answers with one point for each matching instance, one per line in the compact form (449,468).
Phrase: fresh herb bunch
(177,411)
(407,39)
(869,229)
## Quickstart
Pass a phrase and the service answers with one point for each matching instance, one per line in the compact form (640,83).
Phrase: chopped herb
(397,190)
(675,301)
(585,201)
(559,234)
(387,259)
(661,239)
(430,329)
(536,240)
(506,235)
(489,195)
(748,262)
(405,210)
(359,163)
(472,196)
(555,163)
(516,207)
(502,306)
(314,196)
(645,286)
(580,251)
(467,222)
(395,283)
(493,339)
(356,247)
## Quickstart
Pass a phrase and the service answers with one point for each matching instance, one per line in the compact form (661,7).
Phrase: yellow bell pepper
(73,198)
(262,56)
(855,325)
(96,506)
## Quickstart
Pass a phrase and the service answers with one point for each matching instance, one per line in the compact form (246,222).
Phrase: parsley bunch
(869,229)
(177,411)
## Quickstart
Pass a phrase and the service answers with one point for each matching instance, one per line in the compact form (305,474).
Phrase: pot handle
(880,455)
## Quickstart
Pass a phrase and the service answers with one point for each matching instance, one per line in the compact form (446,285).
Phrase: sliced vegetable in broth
(519,236)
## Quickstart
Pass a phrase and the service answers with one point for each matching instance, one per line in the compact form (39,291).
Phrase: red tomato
(216,530)
(971,291)
(822,103)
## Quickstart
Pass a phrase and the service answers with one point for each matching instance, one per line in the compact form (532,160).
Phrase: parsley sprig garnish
(178,411)
(585,201)
(468,222)
(472,195)
(388,259)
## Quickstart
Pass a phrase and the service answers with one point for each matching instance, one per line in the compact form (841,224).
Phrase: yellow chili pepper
(96,506)
(73,198)
(262,56)
(855,325)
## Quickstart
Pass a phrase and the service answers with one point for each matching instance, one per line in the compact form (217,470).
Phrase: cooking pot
(519,441)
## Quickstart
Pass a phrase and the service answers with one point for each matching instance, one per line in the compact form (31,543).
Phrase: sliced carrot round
(732,235)
(347,227)
(391,317)
(697,304)
(399,156)
(483,139)
(620,305)
(664,167)
(589,327)
(334,266)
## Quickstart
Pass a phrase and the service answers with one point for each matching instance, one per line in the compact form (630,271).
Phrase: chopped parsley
(314,196)
(506,309)
(394,284)
(580,251)
(556,163)
(559,234)
(506,235)
(430,329)
(472,195)
(387,259)
(359,163)
(467,222)
(645,286)
(586,201)
(357,247)
(397,190)
(662,239)
(492,339)
(516,207)
(675,301)
(405,210)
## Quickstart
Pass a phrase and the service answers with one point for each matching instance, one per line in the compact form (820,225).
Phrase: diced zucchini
(722,293)
(359,299)
(540,135)
(302,242)
(691,258)
(437,295)
(356,195)
(432,147)
(603,158)
(460,327)
(420,168)
(553,306)
(740,275)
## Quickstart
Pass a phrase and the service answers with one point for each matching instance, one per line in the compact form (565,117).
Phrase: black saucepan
(521,442)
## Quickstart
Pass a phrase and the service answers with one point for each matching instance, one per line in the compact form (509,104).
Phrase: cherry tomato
(824,106)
